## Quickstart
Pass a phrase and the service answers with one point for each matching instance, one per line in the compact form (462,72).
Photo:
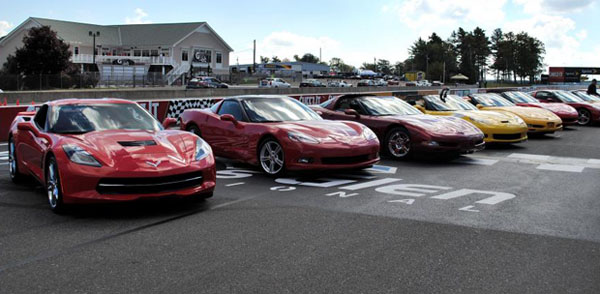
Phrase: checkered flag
(176,107)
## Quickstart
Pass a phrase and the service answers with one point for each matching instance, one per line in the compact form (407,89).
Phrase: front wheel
(397,143)
(585,117)
(53,187)
(271,157)
(13,165)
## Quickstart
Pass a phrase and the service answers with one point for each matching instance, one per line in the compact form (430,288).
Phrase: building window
(219,57)
(153,52)
(202,56)
(145,52)
(137,52)
(76,50)
(165,52)
(184,55)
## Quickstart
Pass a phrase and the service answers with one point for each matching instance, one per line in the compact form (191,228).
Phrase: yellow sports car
(539,121)
(497,127)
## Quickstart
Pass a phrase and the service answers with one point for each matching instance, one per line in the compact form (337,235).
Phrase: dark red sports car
(402,128)
(588,112)
(279,133)
(567,114)
(94,150)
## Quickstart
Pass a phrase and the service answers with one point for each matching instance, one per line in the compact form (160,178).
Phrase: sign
(570,74)
(202,56)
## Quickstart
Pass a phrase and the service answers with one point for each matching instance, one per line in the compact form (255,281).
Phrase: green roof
(165,34)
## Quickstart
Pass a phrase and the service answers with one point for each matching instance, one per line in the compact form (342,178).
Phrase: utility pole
(375,63)
(254,58)
(320,59)
(94,35)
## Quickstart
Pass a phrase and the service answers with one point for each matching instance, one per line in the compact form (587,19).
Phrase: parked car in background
(423,83)
(205,82)
(380,83)
(393,82)
(365,83)
(437,83)
(99,150)
(586,97)
(279,133)
(340,84)
(566,113)
(311,83)
(588,112)
(273,83)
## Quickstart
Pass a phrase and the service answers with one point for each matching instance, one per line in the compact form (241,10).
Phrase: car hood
(326,130)
(528,112)
(558,108)
(439,125)
(138,150)
(492,117)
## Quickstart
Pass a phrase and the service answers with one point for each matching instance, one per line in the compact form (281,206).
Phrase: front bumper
(542,127)
(330,156)
(453,144)
(83,184)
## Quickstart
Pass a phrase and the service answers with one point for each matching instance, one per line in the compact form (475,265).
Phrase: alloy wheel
(52,186)
(584,116)
(271,157)
(399,144)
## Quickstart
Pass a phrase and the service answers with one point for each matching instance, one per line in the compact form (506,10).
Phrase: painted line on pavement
(529,156)
(477,161)
(234,184)
(562,167)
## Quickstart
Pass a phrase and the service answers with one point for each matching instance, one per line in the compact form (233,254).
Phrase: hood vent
(504,121)
(137,143)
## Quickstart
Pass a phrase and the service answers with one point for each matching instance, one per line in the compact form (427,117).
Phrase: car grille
(149,185)
(508,136)
(345,160)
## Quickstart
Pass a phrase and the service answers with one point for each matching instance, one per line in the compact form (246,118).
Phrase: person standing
(592,88)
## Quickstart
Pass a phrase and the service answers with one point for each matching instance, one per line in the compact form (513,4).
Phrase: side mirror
(479,106)
(352,112)
(27,126)
(229,117)
(169,122)
(420,108)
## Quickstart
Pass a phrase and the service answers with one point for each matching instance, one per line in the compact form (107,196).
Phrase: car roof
(242,97)
(88,101)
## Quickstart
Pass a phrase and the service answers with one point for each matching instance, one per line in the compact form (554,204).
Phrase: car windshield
(437,104)
(80,119)
(586,97)
(381,106)
(492,100)
(567,97)
(277,109)
(520,97)
(454,102)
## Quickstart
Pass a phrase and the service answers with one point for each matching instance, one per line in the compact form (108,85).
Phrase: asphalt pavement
(523,218)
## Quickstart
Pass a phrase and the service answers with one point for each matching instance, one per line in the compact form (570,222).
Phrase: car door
(31,147)
(229,137)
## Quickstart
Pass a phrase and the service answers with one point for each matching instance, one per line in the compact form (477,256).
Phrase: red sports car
(279,133)
(402,128)
(85,150)
(588,112)
(567,114)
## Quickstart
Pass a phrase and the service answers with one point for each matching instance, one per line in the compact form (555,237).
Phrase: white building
(129,50)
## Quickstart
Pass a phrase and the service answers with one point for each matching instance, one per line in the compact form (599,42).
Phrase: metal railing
(153,60)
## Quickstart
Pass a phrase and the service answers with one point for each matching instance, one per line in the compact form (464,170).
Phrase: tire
(194,129)
(585,117)
(271,157)
(53,187)
(13,163)
(397,143)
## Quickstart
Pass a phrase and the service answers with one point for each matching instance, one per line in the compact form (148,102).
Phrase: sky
(355,31)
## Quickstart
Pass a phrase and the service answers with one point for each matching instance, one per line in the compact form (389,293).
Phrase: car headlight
(368,134)
(303,138)
(482,120)
(80,156)
(519,120)
(202,150)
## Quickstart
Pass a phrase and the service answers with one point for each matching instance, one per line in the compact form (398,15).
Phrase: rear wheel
(397,143)
(13,166)
(271,157)
(585,117)
(53,187)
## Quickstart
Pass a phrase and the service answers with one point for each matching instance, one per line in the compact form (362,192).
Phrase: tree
(369,66)
(275,59)
(264,59)
(435,56)
(398,69)
(308,57)
(42,53)
(384,67)
(338,65)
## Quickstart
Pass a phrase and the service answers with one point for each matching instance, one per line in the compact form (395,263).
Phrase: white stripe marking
(3,153)
(4,158)
(529,156)
(477,161)
(594,161)
(562,167)
(3,144)
(234,184)
(6,163)
(370,184)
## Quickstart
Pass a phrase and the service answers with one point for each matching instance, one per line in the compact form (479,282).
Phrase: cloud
(427,16)
(139,18)
(553,6)
(5,27)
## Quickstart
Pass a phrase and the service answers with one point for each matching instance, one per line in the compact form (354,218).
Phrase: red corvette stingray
(567,114)
(279,133)
(588,112)
(403,128)
(107,150)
